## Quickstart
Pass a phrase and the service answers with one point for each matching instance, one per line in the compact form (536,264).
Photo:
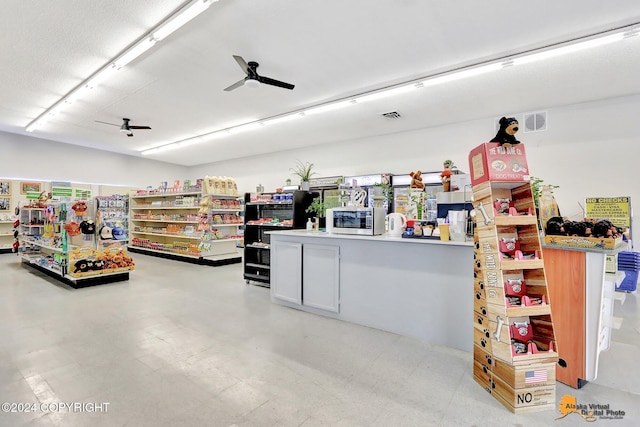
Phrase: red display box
(492,162)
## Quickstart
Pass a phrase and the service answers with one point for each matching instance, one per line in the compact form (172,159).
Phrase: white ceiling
(330,49)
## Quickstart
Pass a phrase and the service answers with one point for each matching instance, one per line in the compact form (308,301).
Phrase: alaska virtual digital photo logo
(590,412)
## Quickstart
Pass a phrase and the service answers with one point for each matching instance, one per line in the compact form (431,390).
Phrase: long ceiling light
(146,42)
(408,87)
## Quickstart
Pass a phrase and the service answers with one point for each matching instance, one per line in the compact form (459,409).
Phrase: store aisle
(187,345)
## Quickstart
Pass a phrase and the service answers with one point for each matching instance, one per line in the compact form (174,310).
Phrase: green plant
(303,170)
(387,190)
(318,208)
(536,188)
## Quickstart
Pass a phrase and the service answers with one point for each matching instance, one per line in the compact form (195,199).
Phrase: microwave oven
(363,221)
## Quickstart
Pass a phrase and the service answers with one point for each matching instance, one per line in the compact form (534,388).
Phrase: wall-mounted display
(5,204)
(30,186)
(5,188)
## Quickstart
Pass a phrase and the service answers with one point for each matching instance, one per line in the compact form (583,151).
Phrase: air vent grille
(535,122)
(391,115)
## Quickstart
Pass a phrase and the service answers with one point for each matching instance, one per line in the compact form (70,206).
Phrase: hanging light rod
(165,28)
(539,54)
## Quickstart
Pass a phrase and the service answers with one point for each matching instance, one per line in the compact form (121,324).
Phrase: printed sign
(615,209)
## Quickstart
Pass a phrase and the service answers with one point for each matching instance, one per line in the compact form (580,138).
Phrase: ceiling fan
(125,127)
(253,80)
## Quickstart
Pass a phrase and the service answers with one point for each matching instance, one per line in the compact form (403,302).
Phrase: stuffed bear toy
(506,133)
(416,180)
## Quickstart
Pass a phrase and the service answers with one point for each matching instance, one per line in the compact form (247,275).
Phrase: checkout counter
(412,287)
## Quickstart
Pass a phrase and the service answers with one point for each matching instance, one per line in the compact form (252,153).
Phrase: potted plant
(383,190)
(537,187)
(318,209)
(304,171)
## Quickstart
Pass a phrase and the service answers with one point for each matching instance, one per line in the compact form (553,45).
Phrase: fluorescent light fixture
(161,31)
(462,74)
(244,128)
(386,93)
(569,48)
(328,107)
(181,18)
(134,52)
(161,149)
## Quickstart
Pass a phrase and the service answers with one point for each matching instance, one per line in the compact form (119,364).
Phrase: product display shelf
(6,236)
(42,249)
(515,349)
(186,226)
(262,216)
(112,221)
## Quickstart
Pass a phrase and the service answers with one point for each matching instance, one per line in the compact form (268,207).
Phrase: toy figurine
(506,133)
(446,175)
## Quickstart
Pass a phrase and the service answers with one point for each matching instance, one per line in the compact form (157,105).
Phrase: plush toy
(82,266)
(416,180)
(80,208)
(506,133)
(73,229)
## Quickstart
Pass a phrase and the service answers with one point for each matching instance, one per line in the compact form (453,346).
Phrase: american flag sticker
(533,377)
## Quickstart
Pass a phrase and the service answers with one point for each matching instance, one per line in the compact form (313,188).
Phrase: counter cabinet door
(321,277)
(286,271)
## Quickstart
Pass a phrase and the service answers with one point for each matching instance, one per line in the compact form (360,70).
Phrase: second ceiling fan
(253,79)
(125,127)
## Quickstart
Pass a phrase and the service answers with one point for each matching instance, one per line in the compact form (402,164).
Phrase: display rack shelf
(145,208)
(178,236)
(77,283)
(6,236)
(165,194)
(515,346)
(257,225)
(165,221)
(217,251)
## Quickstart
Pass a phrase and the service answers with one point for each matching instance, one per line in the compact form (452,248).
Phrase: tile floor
(186,345)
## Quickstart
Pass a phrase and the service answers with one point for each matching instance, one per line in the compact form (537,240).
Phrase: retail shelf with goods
(6,234)
(60,242)
(194,226)
(514,337)
(112,220)
(264,213)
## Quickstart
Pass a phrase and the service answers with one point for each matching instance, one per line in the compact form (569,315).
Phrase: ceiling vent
(535,122)
(391,115)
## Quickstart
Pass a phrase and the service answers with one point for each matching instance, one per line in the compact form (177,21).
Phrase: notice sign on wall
(615,209)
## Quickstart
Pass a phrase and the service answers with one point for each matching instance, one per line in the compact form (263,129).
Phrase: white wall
(590,149)
(34,159)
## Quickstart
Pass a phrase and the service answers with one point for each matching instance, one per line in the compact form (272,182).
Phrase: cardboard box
(492,162)
(523,400)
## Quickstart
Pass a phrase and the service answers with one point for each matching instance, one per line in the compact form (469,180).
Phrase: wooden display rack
(515,350)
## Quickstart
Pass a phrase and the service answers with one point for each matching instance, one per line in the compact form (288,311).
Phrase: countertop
(379,238)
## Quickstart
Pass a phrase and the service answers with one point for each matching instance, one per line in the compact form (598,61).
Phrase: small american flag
(533,377)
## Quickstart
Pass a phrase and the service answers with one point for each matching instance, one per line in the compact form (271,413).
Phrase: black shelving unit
(286,214)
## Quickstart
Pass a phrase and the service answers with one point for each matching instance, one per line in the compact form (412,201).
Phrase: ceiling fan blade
(235,85)
(273,82)
(242,63)
(107,123)
(139,127)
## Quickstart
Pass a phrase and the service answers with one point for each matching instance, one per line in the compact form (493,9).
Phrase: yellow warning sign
(615,209)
